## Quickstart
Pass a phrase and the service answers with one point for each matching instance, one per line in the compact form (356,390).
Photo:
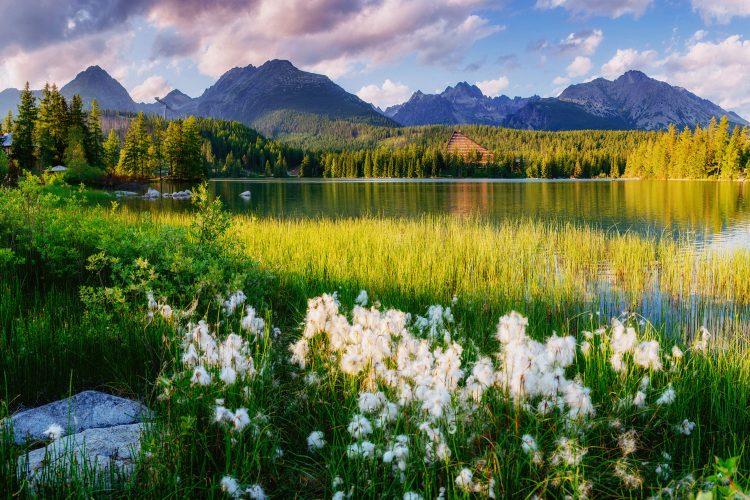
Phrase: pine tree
(134,153)
(94,136)
(192,156)
(173,148)
(8,122)
(23,130)
(111,153)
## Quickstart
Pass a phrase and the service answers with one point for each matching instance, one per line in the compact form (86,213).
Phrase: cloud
(604,8)
(719,71)
(627,59)
(53,65)
(492,88)
(153,86)
(387,94)
(333,36)
(579,67)
(337,36)
(583,42)
(721,11)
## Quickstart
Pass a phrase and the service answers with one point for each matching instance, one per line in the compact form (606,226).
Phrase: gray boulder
(85,410)
(101,452)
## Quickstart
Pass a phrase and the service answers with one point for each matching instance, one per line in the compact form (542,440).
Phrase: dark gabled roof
(7,140)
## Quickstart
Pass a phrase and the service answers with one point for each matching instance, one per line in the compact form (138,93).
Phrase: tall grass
(73,316)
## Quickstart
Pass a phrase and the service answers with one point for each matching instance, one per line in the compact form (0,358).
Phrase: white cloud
(718,71)
(582,42)
(60,63)
(153,86)
(560,80)
(387,94)
(492,88)
(579,67)
(721,11)
(627,59)
(605,8)
(334,36)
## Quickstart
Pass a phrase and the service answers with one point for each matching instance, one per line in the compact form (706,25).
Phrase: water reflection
(711,212)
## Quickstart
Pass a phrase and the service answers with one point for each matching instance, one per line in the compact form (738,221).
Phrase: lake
(715,213)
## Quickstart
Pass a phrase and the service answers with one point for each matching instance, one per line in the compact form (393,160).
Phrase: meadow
(624,373)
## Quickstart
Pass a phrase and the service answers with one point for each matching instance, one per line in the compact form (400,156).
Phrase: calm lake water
(710,212)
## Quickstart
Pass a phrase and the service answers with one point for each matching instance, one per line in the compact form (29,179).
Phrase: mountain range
(277,97)
(632,101)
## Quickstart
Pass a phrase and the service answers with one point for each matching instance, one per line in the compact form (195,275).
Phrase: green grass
(73,316)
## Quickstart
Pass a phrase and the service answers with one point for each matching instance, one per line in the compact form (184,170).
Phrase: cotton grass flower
(686,427)
(411,495)
(361,449)
(528,444)
(362,298)
(53,432)
(316,441)
(359,427)
(235,300)
(200,376)
(628,442)
(646,355)
(667,397)
(231,487)
(465,480)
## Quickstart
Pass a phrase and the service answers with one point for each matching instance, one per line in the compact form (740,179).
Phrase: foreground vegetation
(109,298)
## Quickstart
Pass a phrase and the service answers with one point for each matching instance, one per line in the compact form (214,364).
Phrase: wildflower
(676,352)
(663,471)
(166,312)
(644,383)
(465,480)
(231,487)
(228,375)
(337,481)
(316,441)
(240,419)
(190,356)
(236,299)
(586,348)
(255,492)
(454,300)
(339,495)
(585,489)
(667,397)
(200,376)
(701,343)
(299,351)
(646,355)
(528,444)
(630,478)
(398,453)
(361,298)
(371,402)
(628,442)
(359,427)
(639,400)
(221,414)
(251,323)
(568,452)
(152,304)
(53,432)
(686,427)
(561,351)
(411,495)
(512,327)
(362,449)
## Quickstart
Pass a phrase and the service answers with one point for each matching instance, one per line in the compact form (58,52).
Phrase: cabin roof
(7,140)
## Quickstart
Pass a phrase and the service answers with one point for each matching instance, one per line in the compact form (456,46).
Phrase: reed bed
(305,405)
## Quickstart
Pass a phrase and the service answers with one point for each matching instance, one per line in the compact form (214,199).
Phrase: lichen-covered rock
(103,452)
(85,410)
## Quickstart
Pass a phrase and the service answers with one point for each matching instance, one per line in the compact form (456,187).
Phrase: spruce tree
(8,123)
(23,130)
(111,152)
(94,136)
(173,149)
(191,149)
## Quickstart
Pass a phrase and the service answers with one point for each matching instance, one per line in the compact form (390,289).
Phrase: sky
(384,50)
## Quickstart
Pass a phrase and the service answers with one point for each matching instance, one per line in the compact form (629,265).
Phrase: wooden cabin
(466,148)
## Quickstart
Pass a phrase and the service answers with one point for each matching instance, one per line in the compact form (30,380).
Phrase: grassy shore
(74,315)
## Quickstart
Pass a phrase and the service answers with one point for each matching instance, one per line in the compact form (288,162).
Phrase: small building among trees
(6,141)
(469,150)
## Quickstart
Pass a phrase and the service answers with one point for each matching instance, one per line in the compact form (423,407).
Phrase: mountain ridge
(268,96)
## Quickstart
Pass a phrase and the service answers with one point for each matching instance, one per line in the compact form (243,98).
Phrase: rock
(246,194)
(125,193)
(182,195)
(152,193)
(104,451)
(85,410)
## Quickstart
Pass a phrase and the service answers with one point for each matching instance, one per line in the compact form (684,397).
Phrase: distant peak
(634,75)
(175,93)
(95,69)
(278,63)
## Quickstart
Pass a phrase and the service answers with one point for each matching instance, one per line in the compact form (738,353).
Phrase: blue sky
(384,50)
